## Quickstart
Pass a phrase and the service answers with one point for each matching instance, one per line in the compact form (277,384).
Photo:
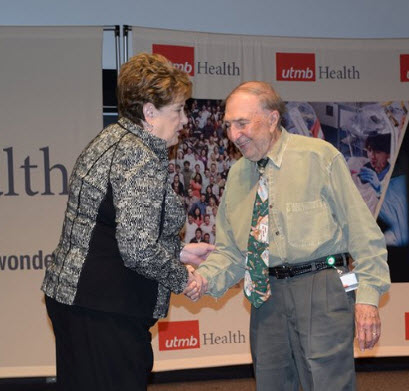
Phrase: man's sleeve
(138,199)
(365,241)
(225,266)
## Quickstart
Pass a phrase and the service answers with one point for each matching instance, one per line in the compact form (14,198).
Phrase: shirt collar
(276,153)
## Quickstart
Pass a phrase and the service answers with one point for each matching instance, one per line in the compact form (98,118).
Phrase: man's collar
(276,153)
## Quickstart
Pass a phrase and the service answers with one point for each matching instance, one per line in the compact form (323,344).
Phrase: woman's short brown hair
(149,78)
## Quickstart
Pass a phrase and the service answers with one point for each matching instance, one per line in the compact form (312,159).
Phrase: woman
(180,195)
(216,152)
(209,193)
(196,185)
(221,191)
(201,142)
(177,185)
(180,156)
(211,204)
(119,254)
(197,216)
(222,148)
(203,157)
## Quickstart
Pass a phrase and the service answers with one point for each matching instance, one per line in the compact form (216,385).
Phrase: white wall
(303,18)
(313,18)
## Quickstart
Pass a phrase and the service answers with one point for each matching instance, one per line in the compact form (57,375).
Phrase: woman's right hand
(196,285)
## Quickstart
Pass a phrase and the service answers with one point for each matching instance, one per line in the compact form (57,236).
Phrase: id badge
(349,281)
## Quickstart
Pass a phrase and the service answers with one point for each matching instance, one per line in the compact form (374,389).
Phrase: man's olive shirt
(315,211)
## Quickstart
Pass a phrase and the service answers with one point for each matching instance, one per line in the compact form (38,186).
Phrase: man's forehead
(239,115)
(243,97)
(242,105)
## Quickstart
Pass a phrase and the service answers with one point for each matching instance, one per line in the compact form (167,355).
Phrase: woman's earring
(149,127)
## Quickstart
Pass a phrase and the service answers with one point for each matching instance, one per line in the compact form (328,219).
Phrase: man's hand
(368,325)
(196,286)
(196,253)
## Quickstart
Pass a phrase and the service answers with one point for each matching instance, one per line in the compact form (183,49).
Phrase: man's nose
(233,133)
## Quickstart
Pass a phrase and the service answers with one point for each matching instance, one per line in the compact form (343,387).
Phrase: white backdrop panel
(51,106)
(349,70)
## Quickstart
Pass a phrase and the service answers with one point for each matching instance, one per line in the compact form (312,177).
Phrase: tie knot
(262,163)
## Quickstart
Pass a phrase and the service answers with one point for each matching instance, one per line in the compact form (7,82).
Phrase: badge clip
(349,280)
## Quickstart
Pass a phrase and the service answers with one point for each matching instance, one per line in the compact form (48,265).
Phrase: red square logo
(295,66)
(407,326)
(404,67)
(182,57)
(179,335)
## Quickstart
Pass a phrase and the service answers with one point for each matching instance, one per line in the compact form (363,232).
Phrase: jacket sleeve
(138,199)
(365,241)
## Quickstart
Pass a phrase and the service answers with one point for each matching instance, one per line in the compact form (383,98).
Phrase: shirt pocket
(309,224)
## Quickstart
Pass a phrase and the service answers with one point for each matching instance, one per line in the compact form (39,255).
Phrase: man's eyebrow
(236,120)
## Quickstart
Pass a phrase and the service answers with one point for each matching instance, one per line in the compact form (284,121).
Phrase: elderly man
(288,220)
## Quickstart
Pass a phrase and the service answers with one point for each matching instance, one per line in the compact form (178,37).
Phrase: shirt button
(271,206)
(277,232)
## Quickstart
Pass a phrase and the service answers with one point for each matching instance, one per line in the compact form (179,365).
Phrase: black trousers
(98,350)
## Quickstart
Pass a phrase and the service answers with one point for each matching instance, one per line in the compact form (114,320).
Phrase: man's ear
(274,117)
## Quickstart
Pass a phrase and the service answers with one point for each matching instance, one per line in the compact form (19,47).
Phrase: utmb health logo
(186,335)
(302,67)
(404,67)
(295,66)
(179,335)
(183,57)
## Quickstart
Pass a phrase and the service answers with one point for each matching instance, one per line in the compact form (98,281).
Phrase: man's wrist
(367,295)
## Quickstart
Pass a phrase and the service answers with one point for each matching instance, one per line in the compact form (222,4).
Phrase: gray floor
(366,381)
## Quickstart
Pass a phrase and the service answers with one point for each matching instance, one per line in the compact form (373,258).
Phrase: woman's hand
(196,286)
(196,253)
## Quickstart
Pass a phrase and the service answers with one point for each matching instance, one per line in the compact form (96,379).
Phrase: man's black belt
(287,271)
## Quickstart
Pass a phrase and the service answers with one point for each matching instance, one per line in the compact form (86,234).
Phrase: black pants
(98,350)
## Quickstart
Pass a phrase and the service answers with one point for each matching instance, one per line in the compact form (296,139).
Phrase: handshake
(195,254)
(196,286)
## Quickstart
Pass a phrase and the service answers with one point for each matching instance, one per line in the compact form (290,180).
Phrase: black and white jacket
(119,248)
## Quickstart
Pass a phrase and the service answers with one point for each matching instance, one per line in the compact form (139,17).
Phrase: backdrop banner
(342,90)
(51,107)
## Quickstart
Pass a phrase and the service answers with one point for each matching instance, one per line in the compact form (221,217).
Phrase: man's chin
(250,156)
(247,152)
